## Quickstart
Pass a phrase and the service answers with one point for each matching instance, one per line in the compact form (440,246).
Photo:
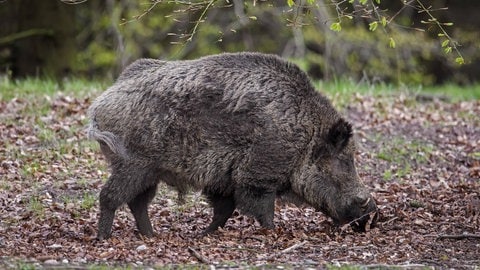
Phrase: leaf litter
(420,159)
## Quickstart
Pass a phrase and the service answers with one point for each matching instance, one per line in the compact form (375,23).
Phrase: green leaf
(372,26)
(310,2)
(391,43)
(253,18)
(448,24)
(441,34)
(384,21)
(351,1)
(290,3)
(363,2)
(460,60)
(337,27)
(378,1)
(448,49)
(445,43)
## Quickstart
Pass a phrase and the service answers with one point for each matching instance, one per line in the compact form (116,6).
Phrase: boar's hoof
(147,234)
(101,237)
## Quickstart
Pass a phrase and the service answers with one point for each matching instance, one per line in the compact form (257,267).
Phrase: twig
(388,266)
(297,245)
(458,236)
(138,17)
(283,251)
(255,238)
(389,221)
(73,2)
(194,31)
(25,34)
(199,256)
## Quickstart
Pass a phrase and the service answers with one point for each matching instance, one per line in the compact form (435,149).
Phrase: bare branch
(458,236)
(73,2)
(199,256)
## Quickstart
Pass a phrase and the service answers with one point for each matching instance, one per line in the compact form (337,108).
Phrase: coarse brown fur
(244,128)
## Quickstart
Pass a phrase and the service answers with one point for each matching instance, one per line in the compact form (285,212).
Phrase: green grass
(44,87)
(36,207)
(404,154)
(343,90)
(469,92)
(88,201)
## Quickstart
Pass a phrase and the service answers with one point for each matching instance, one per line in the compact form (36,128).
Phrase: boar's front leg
(223,207)
(258,202)
(139,208)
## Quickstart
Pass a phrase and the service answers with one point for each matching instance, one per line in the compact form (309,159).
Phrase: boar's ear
(339,134)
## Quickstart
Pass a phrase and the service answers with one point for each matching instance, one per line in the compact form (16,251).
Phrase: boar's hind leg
(139,208)
(109,202)
(258,202)
(137,189)
(222,209)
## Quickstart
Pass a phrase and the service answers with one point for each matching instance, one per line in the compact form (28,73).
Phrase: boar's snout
(358,212)
(365,209)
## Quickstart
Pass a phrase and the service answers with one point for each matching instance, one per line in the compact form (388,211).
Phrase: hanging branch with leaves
(371,11)
(343,10)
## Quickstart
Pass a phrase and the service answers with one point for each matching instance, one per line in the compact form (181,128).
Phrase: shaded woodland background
(96,39)
(419,153)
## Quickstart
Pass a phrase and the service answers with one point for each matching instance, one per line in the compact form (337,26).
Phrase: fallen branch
(390,221)
(388,266)
(283,251)
(297,245)
(255,238)
(458,236)
(199,256)
(25,34)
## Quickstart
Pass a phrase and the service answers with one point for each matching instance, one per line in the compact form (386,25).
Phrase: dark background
(96,39)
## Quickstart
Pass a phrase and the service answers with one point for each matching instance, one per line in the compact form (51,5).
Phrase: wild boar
(244,128)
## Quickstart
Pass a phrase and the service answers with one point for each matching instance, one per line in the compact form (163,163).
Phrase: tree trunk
(39,37)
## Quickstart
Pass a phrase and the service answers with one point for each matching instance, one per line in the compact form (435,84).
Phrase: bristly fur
(241,127)
(114,144)
(340,133)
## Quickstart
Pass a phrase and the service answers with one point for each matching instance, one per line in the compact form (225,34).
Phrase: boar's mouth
(360,224)
(359,217)
(370,214)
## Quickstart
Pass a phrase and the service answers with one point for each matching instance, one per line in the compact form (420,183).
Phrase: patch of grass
(27,266)
(88,201)
(404,154)
(343,267)
(456,92)
(5,185)
(387,175)
(475,155)
(46,136)
(342,91)
(30,169)
(35,206)
(416,204)
(45,87)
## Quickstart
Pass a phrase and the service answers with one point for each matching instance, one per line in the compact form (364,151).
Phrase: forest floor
(420,156)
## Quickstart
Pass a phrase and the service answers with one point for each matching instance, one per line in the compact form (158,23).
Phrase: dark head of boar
(329,180)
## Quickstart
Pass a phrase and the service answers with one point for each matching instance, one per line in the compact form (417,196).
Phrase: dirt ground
(421,159)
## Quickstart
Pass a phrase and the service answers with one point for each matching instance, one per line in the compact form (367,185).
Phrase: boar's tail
(108,138)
